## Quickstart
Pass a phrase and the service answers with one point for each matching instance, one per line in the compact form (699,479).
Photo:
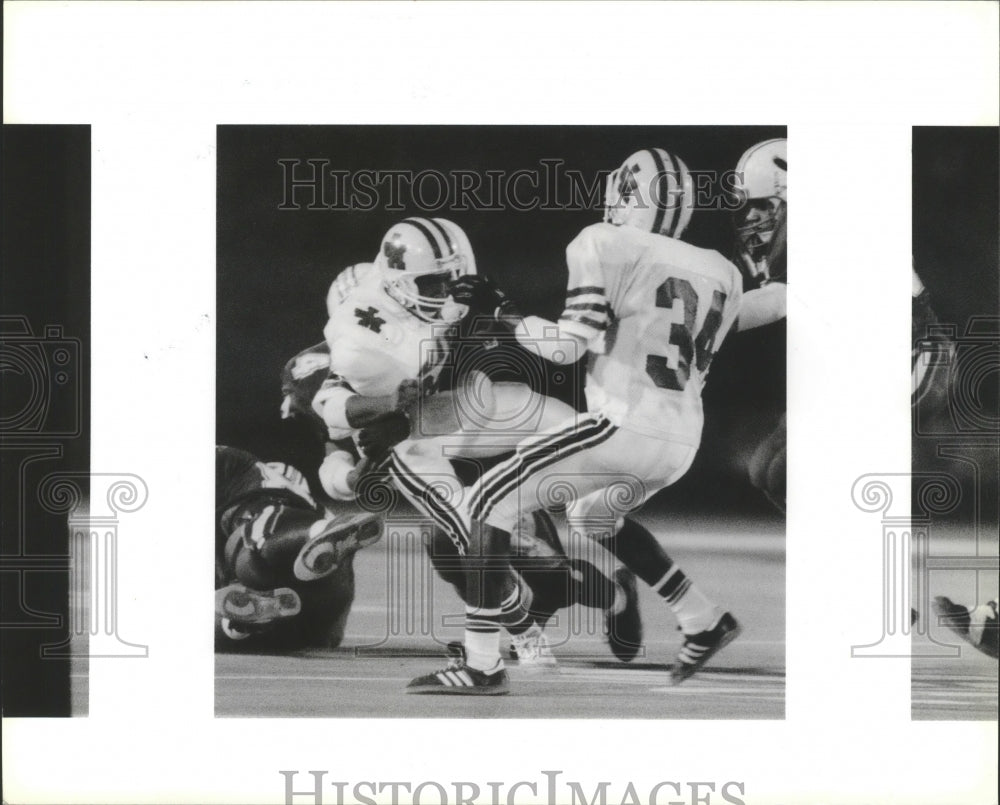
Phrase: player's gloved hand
(406,395)
(383,434)
(482,297)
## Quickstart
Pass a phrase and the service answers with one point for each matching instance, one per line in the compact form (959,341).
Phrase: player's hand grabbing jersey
(652,310)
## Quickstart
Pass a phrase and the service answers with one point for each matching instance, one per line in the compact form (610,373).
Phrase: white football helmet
(418,259)
(651,190)
(762,185)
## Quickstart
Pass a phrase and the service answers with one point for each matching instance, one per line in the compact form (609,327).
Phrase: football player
(284,566)
(761,225)
(651,311)
(555,580)
(396,334)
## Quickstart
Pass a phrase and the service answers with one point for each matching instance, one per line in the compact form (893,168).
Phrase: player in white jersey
(391,339)
(651,311)
(389,326)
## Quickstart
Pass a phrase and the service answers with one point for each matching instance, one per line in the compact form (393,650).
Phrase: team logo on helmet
(394,251)
(419,258)
(651,190)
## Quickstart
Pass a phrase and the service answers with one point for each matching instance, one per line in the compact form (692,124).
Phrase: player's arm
(340,407)
(586,315)
(552,340)
(764,305)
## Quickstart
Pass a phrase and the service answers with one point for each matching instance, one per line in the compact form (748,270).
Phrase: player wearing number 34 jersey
(651,311)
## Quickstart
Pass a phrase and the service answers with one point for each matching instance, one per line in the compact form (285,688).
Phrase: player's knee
(445,558)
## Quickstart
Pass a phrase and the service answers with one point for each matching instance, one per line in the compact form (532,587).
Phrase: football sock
(694,612)
(514,613)
(482,644)
(640,551)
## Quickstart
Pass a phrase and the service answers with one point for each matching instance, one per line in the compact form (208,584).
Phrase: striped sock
(514,615)
(693,610)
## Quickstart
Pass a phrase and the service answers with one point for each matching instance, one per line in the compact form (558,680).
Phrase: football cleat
(622,620)
(532,651)
(699,648)
(457,678)
(232,632)
(339,539)
(243,608)
(977,627)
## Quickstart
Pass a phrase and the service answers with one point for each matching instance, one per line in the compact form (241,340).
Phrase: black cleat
(978,626)
(622,621)
(952,615)
(457,678)
(245,608)
(699,648)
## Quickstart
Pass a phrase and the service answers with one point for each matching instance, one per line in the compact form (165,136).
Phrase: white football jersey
(376,343)
(653,311)
(347,281)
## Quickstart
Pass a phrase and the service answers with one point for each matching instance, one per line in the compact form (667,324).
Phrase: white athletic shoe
(532,651)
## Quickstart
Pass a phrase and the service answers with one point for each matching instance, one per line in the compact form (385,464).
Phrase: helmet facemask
(418,261)
(760,237)
(761,218)
(426,293)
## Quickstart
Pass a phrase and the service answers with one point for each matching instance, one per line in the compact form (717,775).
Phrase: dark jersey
(301,378)
(240,477)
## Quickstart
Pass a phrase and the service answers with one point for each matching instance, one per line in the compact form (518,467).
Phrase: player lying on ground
(398,321)
(761,226)
(284,566)
(651,311)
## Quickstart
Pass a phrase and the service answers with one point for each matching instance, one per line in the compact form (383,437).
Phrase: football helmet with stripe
(762,185)
(651,190)
(417,260)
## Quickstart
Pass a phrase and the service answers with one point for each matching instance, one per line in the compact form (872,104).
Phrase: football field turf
(388,643)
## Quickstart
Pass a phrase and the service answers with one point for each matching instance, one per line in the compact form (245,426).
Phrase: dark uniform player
(284,566)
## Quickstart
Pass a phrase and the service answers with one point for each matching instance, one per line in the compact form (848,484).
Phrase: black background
(956,252)
(45,278)
(275,266)
(955,219)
